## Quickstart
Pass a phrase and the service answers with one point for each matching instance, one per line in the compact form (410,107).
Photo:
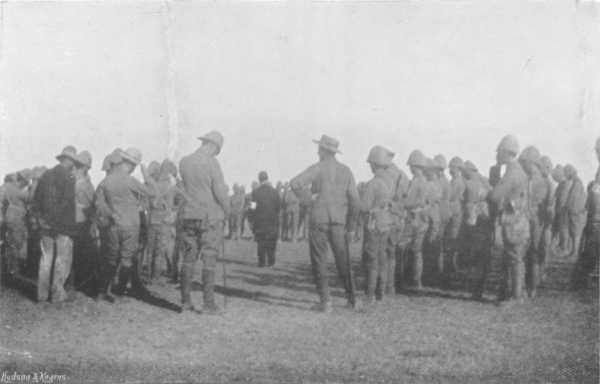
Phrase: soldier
(15,199)
(455,198)
(536,198)
(510,197)
(575,210)
(204,212)
(444,186)
(237,210)
(53,213)
(545,166)
(398,181)
(163,213)
(121,194)
(84,255)
(332,218)
(359,225)
(375,205)
(561,219)
(305,206)
(588,262)
(433,197)
(292,211)
(283,228)
(417,218)
(478,228)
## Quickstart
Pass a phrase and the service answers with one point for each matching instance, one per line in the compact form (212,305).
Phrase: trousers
(55,266)
(321,237)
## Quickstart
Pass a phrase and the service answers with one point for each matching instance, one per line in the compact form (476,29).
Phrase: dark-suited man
(335,205)
(266,220)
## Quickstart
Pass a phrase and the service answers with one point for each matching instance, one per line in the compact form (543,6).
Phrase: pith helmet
(379,156)
(85,159)
(430,164)
(214,137)
(545,163)
(106,163)
(26,174)
(470,166)
(417,159)
(133,155)
(457,162)
(391,154)
(509,143)
(68,152)
(530,154)
(168,167)
(558,172)
(440,161)
(153,168)
(570,170)
(328,143)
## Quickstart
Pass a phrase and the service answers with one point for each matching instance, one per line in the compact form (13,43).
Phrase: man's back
(334,185)
(204,186)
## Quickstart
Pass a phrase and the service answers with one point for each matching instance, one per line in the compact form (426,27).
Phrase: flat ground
(268,335)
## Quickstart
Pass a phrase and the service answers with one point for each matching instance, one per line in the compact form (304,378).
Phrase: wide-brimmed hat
(69,152)
(215,138)
(133,155)
(85,159)
(328,143)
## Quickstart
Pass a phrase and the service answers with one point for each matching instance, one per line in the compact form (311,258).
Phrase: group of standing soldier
(111,239)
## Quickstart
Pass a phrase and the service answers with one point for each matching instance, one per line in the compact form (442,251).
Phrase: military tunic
(335,206)
(375,205)
(510,196)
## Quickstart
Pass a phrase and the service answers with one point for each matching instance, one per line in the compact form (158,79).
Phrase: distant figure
(266,220)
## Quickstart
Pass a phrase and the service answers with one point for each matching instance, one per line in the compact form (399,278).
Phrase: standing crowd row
(108,241)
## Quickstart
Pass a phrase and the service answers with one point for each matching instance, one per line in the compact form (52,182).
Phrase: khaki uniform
(398,181)
(414,206)
(576,214)
(562,219)
(537,192)
(235,217)
(589,260)
(335,206)
(510,196)
(292,211)
(455,221)
(375,205)
(204,212)
(15,199)
(161,236)
(548,217)
(122,194)
(478,231)
(84,251)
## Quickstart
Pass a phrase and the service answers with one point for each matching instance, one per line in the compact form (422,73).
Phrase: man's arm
(218,187)
(354,203)
(304,179)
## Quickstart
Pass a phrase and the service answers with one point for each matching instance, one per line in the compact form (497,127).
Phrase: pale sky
(442,76)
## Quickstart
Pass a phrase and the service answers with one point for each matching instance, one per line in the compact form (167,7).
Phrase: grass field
(268,335)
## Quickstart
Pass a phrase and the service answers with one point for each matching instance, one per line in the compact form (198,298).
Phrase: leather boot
(186,287)
(517,280)
(208,291)
(107,273)
(124,273)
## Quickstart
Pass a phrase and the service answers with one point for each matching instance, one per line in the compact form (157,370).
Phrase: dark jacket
(54,202)
(266,214)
